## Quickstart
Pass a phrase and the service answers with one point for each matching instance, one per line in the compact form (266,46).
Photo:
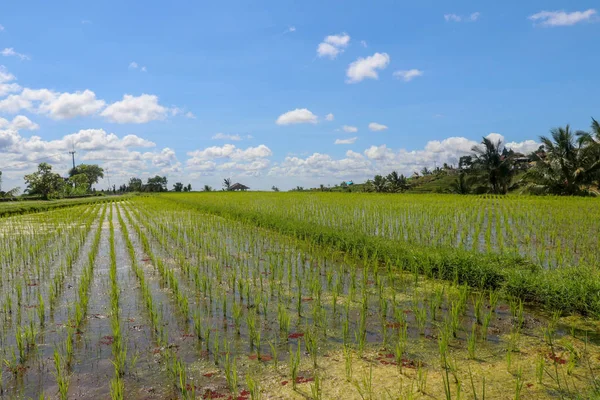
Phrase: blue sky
(433,76)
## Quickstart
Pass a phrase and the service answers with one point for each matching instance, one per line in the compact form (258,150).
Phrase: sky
(286,93)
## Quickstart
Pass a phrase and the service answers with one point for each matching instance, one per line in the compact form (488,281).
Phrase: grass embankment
(26,207)
(569,288)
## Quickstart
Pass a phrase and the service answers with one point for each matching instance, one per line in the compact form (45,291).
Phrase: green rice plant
(421,378)
(295,365)
(284,319)
(477,306)
(117,388)
(316,389)
(62,380)
(473,387)
(310,341)
(519,383)
(231,374)
(400,347)
(471,341)
(540,366)
(485,324)
(365,387)
(253,387)
(348,362)
(421,318)
(237,316)
(274,353)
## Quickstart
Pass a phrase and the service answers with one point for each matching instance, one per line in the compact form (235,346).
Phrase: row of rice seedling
(43,290)
(278,295)
(357,223)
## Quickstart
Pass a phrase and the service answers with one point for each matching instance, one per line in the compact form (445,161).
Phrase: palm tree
(227,183)
(379,183)
(462,184)
(208,188)
(567,165)
(397,183)
(493,164)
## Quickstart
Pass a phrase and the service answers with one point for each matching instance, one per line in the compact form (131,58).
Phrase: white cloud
(251,161)
(290,30)
(363,43)
(345,141)
(6,84)
(375,127)
(55,105)
(349,129)
(1,28)
(563,18)
(329,117)
(18,123)
(134,65)
(524,147)
(10,52)
(459,18)
(71,105)
(190,115)
(136,110)
(224,136)
(367,67)
(333,45)
(297,116)
(408,75)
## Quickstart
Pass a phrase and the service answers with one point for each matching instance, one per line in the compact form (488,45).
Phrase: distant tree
(189,187)
(425,171)
(135,185)
(92,171)
(44,182)
(462,184)
(78,184)
(567,165)
(275,188)
(379,184)
(465,162)
(8,194)
(397,182)
(208,188)
(178,187)
(493,164)
(227,183)
(156,184)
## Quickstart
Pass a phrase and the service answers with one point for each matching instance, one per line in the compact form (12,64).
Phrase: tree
(379,184)
(397,182)
(92,172)
(135,185)
(275,188)
(567,165)
(9,194)
(462,184)
(465,162)
(227,183)
(178,187)
(208,188)
(44,182)
(156,184)
(493,164)
(189,187)
(79,184)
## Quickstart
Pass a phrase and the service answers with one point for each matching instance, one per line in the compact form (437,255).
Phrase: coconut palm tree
(379,183)
(397,182)
(567,165)
(227,183)
(493,164)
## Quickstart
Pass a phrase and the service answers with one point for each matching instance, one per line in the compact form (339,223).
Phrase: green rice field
(302,296)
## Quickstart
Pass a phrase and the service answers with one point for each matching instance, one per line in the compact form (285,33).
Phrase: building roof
(238,186)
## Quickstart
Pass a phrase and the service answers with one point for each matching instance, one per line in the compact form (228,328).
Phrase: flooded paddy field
(157,298)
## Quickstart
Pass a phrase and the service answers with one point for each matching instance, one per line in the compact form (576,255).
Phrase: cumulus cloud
(408,75)
(55,105)
(250,161)
(135,110)
(297,116)
(71,105)
(6,84)
(346,141)
(367,67)
(18,123)
(382,159)
(375,127)
(333,45)
(10,52)
(329,117)
(349,129)
(562,18)
(134,65)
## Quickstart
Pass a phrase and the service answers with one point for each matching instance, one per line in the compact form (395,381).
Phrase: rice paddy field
(302,296)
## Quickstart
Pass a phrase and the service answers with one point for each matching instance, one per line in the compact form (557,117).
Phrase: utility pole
(72,153)
(108,178)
